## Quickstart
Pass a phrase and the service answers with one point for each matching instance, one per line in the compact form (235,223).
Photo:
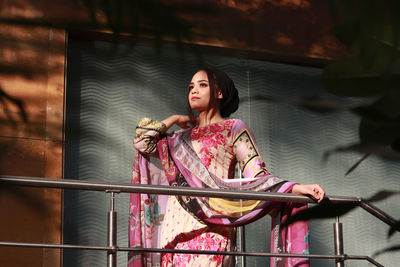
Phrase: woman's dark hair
(219,81)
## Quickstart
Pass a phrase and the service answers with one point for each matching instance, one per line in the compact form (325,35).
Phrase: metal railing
(112,247)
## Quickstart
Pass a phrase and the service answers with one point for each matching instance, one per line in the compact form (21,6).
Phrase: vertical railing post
(112,233)
(338,238)
(241,246)
(241,233)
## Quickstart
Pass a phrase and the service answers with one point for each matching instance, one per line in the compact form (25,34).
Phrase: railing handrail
(184,251)
(188,251)
(113,188)
(187,191)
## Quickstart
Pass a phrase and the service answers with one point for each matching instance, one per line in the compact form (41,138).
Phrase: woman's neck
(206,118)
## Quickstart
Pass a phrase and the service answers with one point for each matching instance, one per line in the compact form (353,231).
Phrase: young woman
(205,156)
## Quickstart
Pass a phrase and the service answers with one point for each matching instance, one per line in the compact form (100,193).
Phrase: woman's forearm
(171,120)
(180,120)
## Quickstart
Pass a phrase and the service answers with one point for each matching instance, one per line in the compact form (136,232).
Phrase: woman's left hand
(314,190)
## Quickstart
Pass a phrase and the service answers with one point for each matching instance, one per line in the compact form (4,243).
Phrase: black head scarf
(221,82)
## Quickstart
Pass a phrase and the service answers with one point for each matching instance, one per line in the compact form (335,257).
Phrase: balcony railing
(112,247)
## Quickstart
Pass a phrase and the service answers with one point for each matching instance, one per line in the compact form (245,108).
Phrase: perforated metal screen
(110,87)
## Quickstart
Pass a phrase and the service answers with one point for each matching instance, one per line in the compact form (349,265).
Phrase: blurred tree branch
(370,29)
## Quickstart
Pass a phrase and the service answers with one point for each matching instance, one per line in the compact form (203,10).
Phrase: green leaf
(378,132)
(347,33)
(396,145)
(386,108)
(380,122)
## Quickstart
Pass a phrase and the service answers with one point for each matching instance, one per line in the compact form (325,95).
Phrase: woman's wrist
(294,189)
(171,120)
(313,190)
(180,120)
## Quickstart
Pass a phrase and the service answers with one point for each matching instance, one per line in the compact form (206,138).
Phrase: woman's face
(199,92)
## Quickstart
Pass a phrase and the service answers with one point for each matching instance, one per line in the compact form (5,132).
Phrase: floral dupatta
(182,167)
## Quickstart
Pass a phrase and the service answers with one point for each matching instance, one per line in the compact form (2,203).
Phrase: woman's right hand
(183,120)
(313,190)
(180,120)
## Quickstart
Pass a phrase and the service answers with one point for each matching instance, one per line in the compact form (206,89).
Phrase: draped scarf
(179,165)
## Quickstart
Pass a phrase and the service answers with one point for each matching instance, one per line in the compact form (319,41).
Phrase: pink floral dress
(214,144)
(220,146)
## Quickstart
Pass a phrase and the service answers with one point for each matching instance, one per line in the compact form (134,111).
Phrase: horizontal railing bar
(154,250)
(43,245)
(159,250)
(161,190)
(186,191)
(357,257)
(255,254)
(181,251)
(344,199)
(369,207)
(233,253)
(168,190)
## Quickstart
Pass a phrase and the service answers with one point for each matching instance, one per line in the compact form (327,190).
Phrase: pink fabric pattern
(292,239)
(211,138)
(195,241)
(185,166)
